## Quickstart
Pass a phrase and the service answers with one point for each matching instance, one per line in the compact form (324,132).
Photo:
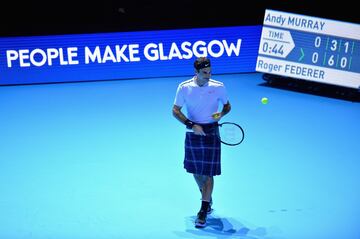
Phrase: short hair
(202,62)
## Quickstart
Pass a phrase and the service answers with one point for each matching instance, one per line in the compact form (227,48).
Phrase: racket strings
(231,134)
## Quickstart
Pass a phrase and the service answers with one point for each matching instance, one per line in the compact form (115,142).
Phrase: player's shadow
(222,228)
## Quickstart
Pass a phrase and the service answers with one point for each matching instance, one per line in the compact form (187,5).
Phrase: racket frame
(237,125)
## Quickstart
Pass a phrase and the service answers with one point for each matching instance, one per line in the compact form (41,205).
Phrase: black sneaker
(200,221)
(209,210)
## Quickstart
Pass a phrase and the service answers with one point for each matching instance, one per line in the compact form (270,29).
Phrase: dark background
(19,18)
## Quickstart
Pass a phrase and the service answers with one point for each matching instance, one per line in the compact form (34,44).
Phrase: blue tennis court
(105,160)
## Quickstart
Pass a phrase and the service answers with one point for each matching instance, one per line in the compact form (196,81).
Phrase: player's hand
(198,130)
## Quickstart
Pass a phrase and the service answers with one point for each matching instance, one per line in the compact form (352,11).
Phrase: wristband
(189,124)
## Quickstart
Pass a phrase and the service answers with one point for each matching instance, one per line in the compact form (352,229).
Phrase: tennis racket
(231,133)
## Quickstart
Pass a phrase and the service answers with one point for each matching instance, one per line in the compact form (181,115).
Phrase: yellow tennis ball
(264,100)
(216,115)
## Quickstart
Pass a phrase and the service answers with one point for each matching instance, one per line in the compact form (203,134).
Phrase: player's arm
(226,109)
(178,114)
(189,124)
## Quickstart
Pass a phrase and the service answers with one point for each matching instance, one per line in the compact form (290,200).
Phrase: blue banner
(126,55)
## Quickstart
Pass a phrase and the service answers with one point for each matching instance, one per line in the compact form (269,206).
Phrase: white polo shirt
(201,101)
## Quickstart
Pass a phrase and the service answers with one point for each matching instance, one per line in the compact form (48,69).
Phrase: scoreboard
(310,48)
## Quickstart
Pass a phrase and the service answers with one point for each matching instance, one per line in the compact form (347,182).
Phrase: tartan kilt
(203,153)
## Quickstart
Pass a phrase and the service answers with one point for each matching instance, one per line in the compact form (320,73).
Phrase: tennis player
(203,97)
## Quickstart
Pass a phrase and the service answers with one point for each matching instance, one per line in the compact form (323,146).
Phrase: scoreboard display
(310,48)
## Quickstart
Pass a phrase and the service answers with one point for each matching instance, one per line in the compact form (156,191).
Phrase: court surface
(103,160)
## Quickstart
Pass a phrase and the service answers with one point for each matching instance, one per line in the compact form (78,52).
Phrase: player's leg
(207,189)
(201,181)
(207,184)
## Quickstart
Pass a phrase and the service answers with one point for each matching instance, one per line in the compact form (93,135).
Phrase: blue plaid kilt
(203,153)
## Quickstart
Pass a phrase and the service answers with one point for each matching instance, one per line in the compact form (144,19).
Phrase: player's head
(202,62)
(202,70)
